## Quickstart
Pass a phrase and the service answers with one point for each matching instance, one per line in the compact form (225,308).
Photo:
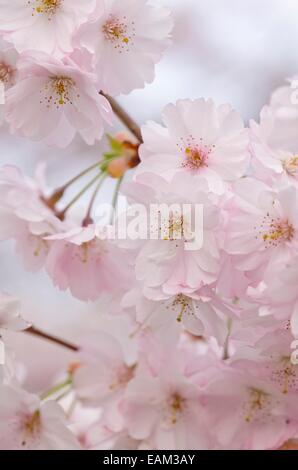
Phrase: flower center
(275,232)
(48,7)
(195,158)
(184,305)
(87,252)
(285,375)
(258,402)
(31,426)
(195,155)
(291,165)
(58,92)
(115,30)
(6,72)
(176,407)
(41,246)
(173,226)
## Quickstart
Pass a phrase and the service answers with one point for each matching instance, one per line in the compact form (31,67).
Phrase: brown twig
(53,339)
(124,117)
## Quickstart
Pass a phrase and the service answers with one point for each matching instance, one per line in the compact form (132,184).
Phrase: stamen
(258,404)
(42,245)
(118,33)
(284,373)
(88,251)
(175,228)
(31,427)
(6,72)
(185,306)
(195,154)
(48,7)
(275,231)
(176,405)
(290,165)
(59,91)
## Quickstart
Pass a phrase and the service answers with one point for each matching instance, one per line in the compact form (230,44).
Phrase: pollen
(119,33)
(184,305)
(6,72)
(41,246)
(31,426)
(87,252)
(58,91)
(276,231)
(257,406)
(176,407)
(195,154)
(47,7)
(290,165)
(285,375)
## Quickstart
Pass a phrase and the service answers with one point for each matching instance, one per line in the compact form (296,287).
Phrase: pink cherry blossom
(199,138)
(84,263)
(102,377)
(275,148)
(61,98)
(247,413)
(262,228)
(165,262)
(270,359)
(43,25)
(201,313)
(26,424)
(128,38)
(166,409)
(25,218)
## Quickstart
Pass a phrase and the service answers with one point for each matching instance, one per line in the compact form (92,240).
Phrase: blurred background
(234,51)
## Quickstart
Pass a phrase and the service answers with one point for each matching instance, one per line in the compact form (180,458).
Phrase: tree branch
(53,339)
(124,117)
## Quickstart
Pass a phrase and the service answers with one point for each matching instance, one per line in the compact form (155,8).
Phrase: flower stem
(115,196)
(80,175)
(61,214)
(88,219)
(124,117)
(56,388)
(58,193)
(53,339)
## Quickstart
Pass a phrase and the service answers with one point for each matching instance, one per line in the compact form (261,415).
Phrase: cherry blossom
(43,25)
(25,218)
(275,148)
(262,228)
(62,99)
(81,261)
(185,336)
(128,39)
(248,413)
(165,408)
(201,313)
(102,376)
(198,138)
(26,424)
(194,267)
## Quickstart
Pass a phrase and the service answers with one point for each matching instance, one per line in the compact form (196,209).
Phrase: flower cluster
(192,348)
(58,57)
